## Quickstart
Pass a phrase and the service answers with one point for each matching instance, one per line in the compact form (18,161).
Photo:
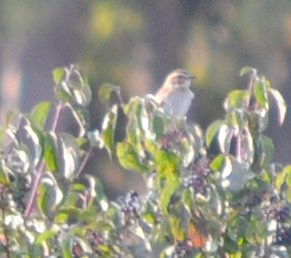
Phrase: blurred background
(134,44)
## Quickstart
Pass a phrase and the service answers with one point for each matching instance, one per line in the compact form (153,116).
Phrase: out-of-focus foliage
(136,43)
(215,194)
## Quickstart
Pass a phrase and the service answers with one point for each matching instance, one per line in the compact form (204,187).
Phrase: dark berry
(196,183)
(283,236)
(183,249)
(253,201)
(130,206)
(283,214)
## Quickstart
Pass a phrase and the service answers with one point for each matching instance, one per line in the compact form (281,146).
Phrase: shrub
(212,194)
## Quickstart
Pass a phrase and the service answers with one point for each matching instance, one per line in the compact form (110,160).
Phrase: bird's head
(179,79)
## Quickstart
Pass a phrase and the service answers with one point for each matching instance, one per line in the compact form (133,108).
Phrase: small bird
(174,96)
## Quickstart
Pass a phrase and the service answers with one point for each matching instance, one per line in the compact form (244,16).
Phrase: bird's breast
(178,102)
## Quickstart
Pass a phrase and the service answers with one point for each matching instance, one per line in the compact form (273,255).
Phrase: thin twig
(84,161)
(238,148)
(39,171)
(253,77)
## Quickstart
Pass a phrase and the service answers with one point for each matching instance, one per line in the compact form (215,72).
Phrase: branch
(39,171)
(84,161)
(253,77)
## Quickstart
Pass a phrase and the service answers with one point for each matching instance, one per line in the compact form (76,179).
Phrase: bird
(175,96)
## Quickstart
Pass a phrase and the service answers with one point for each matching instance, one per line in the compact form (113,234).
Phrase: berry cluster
(283,236)
(95,240)
(77,250)
(196,183)
(282,214)
(183,249)
(253,201)
(130,207)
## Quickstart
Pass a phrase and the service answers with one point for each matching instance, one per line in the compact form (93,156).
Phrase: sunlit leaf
(58,75)
(4,180)
(281,105)
(218,163)
(236,99)
(176,228)
(81,116)
(261,95)
(47,235)
(135,110)
(50,153)
(39,114)
(108,129)
(247,70)
(167,192)
(281,177)
(49,195)
(225,135)
(38,142)
(166,163)
(70,155)
(268,149)
(129,158)
(106,90)
(212,131)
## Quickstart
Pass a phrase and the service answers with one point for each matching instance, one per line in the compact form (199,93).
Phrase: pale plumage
(175,96)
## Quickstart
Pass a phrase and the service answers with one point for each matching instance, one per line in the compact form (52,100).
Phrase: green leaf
(50,153)
(39,114)
(167,192)
(236,99)
(49,195)
(47,235)
(282,176)
(128,157)
(108,129)
(4,180)
(70,154)
(134,109)
(281,105)
(255,232)
(212,131)
(247,70)
(177,230)
(66,249)
(81,94)
(106,90)
(218,163)
(158,125)
(81,116)
(58,75)
(268,149)
(166,163)
(261,95)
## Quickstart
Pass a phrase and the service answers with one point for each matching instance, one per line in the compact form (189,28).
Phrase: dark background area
(135,44)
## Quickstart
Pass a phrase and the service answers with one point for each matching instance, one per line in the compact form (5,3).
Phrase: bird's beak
(192,77)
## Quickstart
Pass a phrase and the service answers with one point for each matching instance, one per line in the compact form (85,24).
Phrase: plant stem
(84,161)
(238,149)
(253,77)
(39,171)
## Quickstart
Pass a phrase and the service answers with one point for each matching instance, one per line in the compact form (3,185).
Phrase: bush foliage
(209,194)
